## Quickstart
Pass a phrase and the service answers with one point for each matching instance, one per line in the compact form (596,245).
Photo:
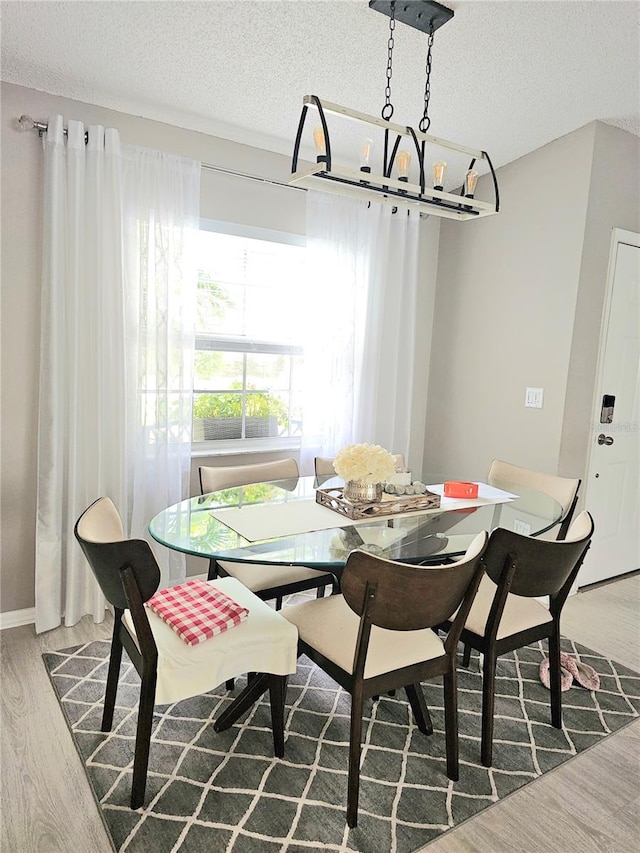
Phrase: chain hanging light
(428,193)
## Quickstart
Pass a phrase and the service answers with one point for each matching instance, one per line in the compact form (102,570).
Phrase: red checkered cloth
(197,611)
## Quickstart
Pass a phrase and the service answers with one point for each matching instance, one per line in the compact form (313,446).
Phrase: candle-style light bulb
(470,181)
(404,161)
(365,155)
(321,148)
(439,170)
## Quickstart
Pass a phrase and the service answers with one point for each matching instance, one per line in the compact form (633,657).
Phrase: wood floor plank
(606,618)
(47,805)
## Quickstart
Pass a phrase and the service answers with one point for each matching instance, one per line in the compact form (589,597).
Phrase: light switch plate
(533,398)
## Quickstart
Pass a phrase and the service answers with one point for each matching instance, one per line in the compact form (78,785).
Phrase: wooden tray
(389,505)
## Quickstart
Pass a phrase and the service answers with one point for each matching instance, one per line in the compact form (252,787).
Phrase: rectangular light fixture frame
(383,189)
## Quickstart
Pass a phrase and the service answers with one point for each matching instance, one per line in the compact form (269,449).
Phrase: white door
(613,478)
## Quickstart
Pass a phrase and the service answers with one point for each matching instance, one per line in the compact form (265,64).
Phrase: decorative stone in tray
(389,505)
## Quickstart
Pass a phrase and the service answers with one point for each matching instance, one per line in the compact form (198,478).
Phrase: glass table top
(424,535)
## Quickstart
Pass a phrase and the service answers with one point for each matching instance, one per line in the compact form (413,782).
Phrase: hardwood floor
(590,804)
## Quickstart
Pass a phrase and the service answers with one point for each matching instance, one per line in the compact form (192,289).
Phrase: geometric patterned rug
(226,793)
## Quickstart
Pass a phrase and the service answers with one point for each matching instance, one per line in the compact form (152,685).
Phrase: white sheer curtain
(360,347)
(161,201)
(100,322)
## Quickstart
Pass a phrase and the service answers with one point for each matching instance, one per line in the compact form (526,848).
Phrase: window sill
(237,447)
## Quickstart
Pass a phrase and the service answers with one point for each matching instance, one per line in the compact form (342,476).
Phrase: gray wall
(518,303)
(222,197)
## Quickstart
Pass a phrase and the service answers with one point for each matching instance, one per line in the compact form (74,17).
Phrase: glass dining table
(209,525)
(287,527)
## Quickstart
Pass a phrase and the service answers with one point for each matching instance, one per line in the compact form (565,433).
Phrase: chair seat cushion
(519,613)
(259,576)
(264,642)
(331,627)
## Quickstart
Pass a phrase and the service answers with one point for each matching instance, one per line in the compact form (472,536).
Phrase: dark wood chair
(170,670)
(376,636)
(266,581)
(505,615)
(534,487)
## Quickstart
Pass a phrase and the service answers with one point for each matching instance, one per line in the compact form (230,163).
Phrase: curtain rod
(25,122)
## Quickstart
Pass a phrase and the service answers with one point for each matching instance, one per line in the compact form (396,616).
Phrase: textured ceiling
(507,76)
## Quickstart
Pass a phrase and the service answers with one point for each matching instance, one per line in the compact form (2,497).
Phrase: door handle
(605,439)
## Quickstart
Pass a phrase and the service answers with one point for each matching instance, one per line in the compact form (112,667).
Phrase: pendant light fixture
(409,167)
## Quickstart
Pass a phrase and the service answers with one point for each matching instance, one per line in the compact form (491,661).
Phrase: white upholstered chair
(564,490)
(324,465)
(170,670)
(267,581)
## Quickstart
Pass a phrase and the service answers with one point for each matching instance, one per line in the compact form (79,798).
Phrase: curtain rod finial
(26,123)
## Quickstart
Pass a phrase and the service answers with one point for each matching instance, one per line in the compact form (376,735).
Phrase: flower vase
(357,492)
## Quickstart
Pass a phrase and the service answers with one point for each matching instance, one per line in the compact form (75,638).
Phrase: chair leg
(555,679)
(488,703)
(419,708)
(243,701)
(451,723)
(355,738)
(279,602)
(213,570)
(277,691)
(320,592)
(466,655)
(230,683)
(143,739)
(112,677)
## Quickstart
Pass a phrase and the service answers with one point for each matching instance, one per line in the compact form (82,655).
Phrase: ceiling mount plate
(419,14)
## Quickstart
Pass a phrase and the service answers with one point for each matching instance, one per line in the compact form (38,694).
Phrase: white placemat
(272,521)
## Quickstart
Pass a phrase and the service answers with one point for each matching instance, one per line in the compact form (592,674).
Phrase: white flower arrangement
(364,463)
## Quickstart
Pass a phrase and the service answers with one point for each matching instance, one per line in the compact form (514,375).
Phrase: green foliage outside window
(228,404)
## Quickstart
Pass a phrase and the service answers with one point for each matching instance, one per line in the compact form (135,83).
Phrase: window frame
(232,343)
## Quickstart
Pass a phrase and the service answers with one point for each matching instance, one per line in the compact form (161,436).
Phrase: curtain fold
(384,384)
(94,316)
(360,347)
(161,199)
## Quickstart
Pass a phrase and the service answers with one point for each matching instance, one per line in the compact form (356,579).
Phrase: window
(248,362)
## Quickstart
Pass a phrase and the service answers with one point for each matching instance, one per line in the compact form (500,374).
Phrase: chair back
(409,598)
(100,534)
(324,464)
(213,479)
(538,567)
(398,458)
(564,490)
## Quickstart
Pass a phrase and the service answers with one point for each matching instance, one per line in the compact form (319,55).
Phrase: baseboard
(16,618)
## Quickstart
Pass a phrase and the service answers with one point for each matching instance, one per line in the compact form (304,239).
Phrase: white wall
(518,303)
(222,197)
(614,202)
